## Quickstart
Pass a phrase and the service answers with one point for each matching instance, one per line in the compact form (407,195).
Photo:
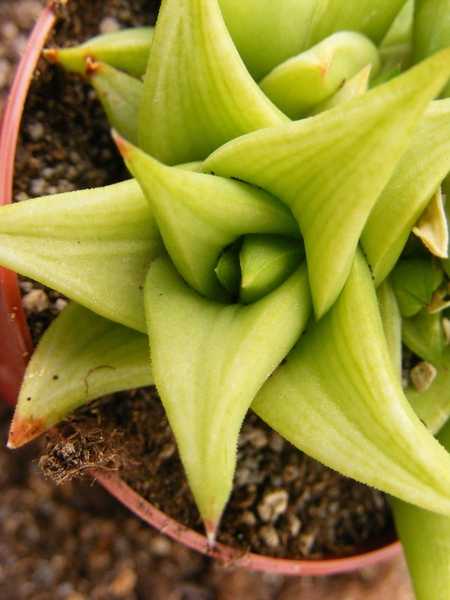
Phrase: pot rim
(226,555)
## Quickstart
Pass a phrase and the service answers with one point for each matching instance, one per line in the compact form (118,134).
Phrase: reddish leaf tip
(24,430)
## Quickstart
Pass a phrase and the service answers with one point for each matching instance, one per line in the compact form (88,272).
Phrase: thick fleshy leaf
(433,405)
(301,82)
(209,360)
(373,18)
(424,336)
(414,280)
(266,261)
(330,169)
(355,86)
(80,357)
(228,269)
(120,95)
(200,215)
(338,398)
(268,32)
(93,245)
(127,50)
(392,323)
(425,538)
(417,175)
(197,92)
(431,29)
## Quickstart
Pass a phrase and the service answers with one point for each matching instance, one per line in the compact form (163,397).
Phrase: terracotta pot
(16,347)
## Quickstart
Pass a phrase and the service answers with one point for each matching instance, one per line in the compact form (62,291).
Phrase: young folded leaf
(120,95)
(197,92)
(92,245)
(330,169)
(339,379)
(80,357)
(425,538)
(301,82)
(209,360)
(418,174)
(127,50)
(199,215)
(355,86)
(266,261)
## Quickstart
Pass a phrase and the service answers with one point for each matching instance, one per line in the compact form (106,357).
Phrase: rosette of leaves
(283,232)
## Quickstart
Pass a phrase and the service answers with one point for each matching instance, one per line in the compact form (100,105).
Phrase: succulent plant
(284,231)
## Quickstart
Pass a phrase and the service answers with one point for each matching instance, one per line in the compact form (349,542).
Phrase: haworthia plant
(207,262)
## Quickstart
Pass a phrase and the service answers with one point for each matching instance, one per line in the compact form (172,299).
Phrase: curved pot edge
(15,318)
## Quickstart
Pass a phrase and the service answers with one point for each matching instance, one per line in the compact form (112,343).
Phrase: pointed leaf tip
(211,533)
(24,430)
(124,147)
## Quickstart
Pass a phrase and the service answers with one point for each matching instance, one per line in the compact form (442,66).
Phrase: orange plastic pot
(16,347)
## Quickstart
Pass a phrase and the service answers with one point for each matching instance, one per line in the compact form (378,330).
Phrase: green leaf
(209,360)
(424,336)
(355,86)
(414,280)
(127,50)
(330,169)
(197,92)
(338,398)
(301,82)
(120,95)
(433,404)
(392,323)
(80,357)
(425,538)
(268,32)
(92,245)
(415,179)
(199,215)
(431,30)
(228,269)
(266,261)
(373,18)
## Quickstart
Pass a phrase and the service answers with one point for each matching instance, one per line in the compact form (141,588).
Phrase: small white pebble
(269,536)
(60,304)
(36,131)
(109,25)
(423,375)
(273,505)
(38,187)
(295,525)
(36,301)
(248,518)
(123,584)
